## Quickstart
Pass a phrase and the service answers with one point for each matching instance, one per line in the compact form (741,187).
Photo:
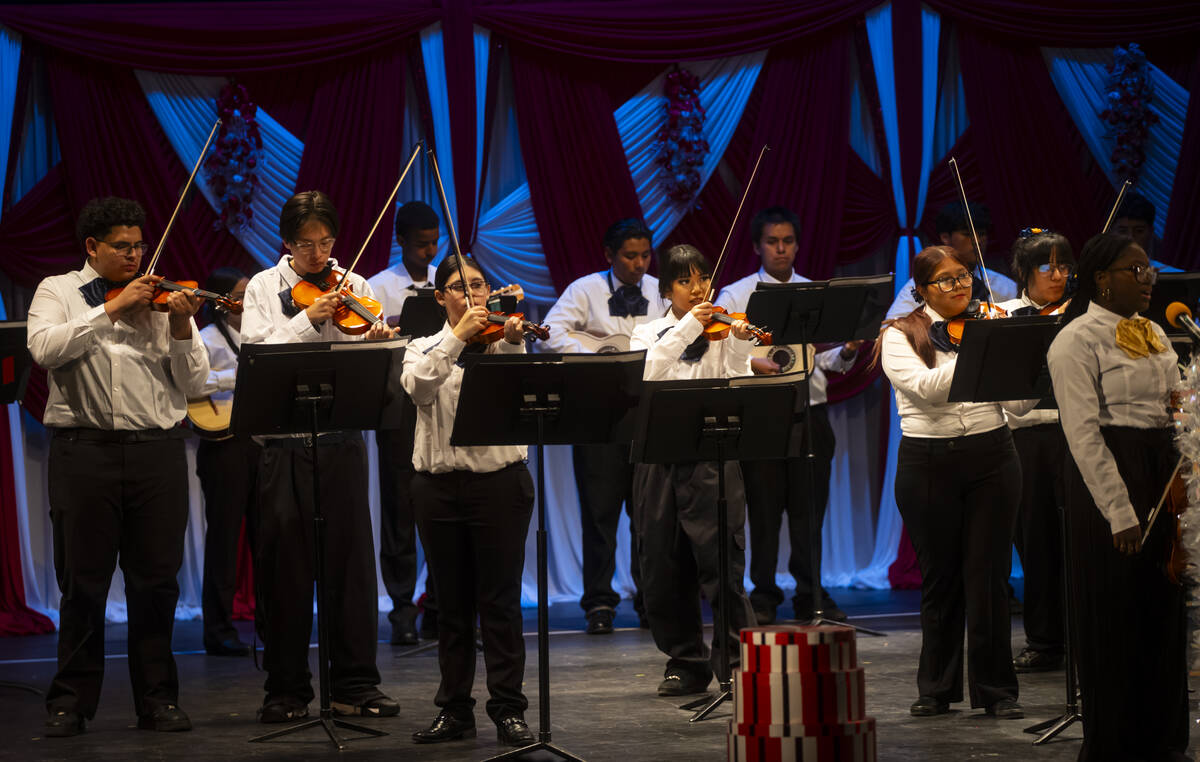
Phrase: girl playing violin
(957,488)
(1042,263)
(1113,373)
(472,506)
(675,506)
(308,225)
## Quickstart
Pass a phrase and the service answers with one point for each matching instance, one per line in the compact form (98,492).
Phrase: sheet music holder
(310,388)
(420,316)
(829,311)
(1174,287)
(524,399)
(1004,359)
(15,361)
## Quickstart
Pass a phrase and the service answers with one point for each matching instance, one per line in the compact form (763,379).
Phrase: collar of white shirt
(766,277)
(1105,315)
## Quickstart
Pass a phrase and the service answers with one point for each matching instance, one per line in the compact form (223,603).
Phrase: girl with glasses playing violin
(1042,263)
(472,506)
(957,488)
(1113,374)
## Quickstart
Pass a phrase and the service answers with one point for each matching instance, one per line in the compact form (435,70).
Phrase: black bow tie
(626,301)
(289,305)
(94,292)
(940,336)
(694,351)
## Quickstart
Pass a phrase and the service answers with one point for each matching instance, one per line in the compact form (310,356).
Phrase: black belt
(950,444)
(119,436)
(331,438)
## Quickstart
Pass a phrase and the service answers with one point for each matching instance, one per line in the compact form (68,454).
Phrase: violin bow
(441,189)
(1116,205)
(962,193)
(725,246)
(179,204)
(386,205)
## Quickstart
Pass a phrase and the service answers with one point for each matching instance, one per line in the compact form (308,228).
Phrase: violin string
(962,191)
(712,284)
(191,178)
(1116,205)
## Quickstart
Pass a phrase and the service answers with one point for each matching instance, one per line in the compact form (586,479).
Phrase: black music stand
(832,311)
(306,389)
(1006,360)
(420,316)
(716,420)
(15,365)
(1175,287)
(515,399)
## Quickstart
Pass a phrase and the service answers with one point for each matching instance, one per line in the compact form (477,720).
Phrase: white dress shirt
(394,285)
(433,379)
(736,296)
(1096,385)
(127,375)
(728,358)
(1003,289)
(1034,417)
(263,319)
(583,306)
(921,392)
(222,360)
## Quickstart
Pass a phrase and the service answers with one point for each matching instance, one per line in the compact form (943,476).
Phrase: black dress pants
(959,497)
(397,524)
(675,509)
(1042,450)
(473,527)
(604,481)
(1130,627)
(228,473)
(285,558)
(775,487)
(111,500)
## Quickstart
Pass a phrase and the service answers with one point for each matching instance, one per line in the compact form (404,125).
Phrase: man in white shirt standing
(417,227)
(776,486)
(119,377)
(608,305)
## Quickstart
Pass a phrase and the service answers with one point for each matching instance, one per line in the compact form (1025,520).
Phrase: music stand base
(1054,727)
(540,746)
(708,704)
(819,619)
(326,721)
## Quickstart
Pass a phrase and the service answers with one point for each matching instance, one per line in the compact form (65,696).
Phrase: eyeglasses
(306,247)
(124,247)
(1141,273)
(1030,232)
(948,283)
(1062,269)
(477,287)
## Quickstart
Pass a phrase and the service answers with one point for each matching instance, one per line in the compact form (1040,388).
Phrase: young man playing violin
(308,225)
(120,374)
(1042,262)
(675,506)
(611,302)
(472,506)
(417,228)
(776,486)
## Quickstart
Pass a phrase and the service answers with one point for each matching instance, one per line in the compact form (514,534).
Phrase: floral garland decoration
(234,158)
(1187,439)
(1128,114)
(680,144)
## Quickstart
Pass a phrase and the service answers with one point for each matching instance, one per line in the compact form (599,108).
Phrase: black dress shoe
(429,627)
(446,727)
(166,718)
(228,647)
(62,724)
(600,622)
(678,682)
(513,731)
(1006,709)
(404,635)
(928,706)
(282,709)
(1030,660)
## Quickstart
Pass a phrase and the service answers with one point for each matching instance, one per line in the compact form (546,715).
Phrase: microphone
(1180,316)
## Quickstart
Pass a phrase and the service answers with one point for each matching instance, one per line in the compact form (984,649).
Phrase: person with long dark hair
(1113,373)
(957,487)
(1042,262)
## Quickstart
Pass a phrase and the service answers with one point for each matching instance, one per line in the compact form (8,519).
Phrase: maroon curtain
(1078,23)
(1183,223)
(579,181)
(36,235)
(459,52)
(353,150)
(16,618)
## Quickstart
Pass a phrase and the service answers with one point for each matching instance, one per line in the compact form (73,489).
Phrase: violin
(976,310)
(1175,501)
(165,288)
(494,331)
(718,327)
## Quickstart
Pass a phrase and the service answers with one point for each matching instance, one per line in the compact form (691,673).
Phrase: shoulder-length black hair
(678,262)
(1033,251)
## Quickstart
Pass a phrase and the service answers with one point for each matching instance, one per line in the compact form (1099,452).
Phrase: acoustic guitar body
(210,418)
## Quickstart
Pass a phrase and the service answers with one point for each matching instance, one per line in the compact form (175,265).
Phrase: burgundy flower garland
(680,143)
(232,164)
(1128,114)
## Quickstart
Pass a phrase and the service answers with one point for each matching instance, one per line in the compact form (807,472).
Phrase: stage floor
(604,705)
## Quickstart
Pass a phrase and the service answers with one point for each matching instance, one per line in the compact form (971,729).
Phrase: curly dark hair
(100,215)
(415,215)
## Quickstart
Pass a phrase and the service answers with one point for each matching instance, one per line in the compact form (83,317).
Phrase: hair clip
(1030,232)
(917,295)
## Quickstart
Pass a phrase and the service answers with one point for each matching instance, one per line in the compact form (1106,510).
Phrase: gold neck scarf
(1137,337)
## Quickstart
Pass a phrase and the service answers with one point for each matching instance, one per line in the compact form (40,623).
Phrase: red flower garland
(1128,114)
(680,144)
(233,160)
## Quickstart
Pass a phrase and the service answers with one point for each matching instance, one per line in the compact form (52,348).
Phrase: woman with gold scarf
(1113,373)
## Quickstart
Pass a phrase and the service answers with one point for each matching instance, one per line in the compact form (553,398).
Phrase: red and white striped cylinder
(804,698)
(838,742)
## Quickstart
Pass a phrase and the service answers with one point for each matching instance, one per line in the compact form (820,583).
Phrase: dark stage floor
(603,702)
